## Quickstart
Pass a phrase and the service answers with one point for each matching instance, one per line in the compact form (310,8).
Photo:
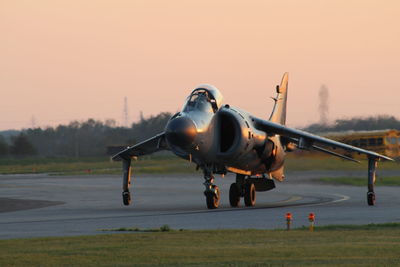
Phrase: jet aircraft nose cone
(180,131)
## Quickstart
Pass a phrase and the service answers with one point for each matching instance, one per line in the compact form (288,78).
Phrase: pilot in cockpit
(200,100)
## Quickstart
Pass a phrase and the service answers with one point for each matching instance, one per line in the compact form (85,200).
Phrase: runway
(42,205)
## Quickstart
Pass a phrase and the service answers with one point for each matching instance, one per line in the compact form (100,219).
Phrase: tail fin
(278,114)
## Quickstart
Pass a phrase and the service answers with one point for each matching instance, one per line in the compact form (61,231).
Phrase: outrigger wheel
(249,194)
(371,198)
(213,197)
(234,195)
(126,198)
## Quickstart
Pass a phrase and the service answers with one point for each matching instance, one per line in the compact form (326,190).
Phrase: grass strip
(162,164)
(360,181)
(377,245)
(99,166)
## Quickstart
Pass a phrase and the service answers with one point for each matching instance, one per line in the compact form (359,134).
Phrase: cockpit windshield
(199,100)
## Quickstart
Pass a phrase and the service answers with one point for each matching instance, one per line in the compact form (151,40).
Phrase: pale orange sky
(64,60)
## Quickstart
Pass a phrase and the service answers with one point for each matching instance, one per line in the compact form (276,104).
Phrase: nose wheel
(212,197)
(212,192)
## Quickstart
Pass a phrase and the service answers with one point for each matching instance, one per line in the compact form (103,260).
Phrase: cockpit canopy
(205,98)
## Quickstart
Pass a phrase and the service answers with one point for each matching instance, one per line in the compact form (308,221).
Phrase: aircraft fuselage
(224,140)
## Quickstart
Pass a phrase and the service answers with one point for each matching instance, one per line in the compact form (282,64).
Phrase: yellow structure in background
(386,142)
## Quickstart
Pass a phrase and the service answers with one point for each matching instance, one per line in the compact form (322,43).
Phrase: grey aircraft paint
(219,138)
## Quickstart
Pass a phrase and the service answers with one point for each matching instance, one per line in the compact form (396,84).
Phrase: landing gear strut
(372,164)
(126,195)
(212,191)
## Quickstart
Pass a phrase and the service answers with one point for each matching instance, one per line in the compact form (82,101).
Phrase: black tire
(126,198)
(249,195)
(371,198)
(212,199)
(234,195)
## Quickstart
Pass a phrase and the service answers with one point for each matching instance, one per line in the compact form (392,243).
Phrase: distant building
(385,142)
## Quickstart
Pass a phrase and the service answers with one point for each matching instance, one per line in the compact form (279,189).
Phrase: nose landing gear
(212,197)
(212,192)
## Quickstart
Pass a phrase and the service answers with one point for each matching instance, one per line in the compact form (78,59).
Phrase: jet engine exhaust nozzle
(181,132)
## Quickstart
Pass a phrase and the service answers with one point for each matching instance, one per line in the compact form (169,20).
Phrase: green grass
(344,227)
(324,162)
(358,246)
(68,166)
(360,181)
(162,164)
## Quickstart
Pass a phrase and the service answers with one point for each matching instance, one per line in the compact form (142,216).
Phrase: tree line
(80,139)
(92,137)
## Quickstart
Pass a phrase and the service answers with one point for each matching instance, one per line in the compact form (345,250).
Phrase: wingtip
(389,159)
(380,157)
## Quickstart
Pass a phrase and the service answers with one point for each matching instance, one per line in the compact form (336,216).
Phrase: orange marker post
(311,218)
(288,220)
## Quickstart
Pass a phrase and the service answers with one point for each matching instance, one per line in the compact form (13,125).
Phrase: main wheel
(234,195)
(371,198)
(212,198)
(126,198)
(249,194)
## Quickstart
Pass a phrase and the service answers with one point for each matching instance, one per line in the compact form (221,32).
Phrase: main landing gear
(242,188)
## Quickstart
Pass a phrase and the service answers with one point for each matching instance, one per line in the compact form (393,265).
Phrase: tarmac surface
(40,205)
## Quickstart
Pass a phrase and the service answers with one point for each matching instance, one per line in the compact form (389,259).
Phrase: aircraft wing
(307,140)
(148,146)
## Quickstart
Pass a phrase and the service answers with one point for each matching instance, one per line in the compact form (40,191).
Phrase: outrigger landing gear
(372,164)
(212,191)
(126,195)
(242,188)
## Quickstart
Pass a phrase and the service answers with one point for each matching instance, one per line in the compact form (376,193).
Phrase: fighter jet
(220,138)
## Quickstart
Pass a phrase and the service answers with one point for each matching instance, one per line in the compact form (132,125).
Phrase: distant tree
(85,139)
(4,148)
(148,127)
(21,146)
